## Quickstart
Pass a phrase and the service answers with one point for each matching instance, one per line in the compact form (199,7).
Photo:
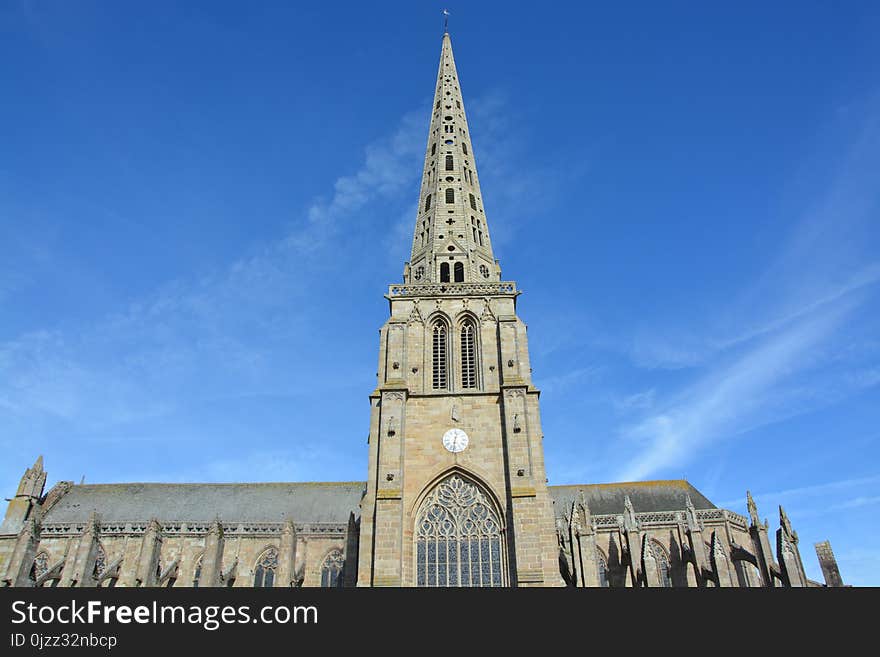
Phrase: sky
(202,205)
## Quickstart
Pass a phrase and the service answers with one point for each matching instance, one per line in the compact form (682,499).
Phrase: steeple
(451,238)
(454,366)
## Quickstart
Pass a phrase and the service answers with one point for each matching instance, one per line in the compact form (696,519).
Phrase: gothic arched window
(434,145)
(458,270)
(473,201)
(449,163)
(450,195)
(458,537)
(439,350)
(662,564)
(468,355)
(331,569)
(444,272)
(428,202)
(464,148)
(264,573)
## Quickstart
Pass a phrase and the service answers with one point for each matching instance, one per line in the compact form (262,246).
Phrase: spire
(451,238)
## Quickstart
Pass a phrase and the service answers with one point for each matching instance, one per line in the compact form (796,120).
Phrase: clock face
(455,440)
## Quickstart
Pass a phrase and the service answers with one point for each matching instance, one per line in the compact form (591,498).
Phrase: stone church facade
(456,490)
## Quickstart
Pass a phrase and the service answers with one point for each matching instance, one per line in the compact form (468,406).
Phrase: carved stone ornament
(488,315)
(41,565)
(415,315)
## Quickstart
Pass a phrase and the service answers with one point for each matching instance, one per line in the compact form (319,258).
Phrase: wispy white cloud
(218,332)
(637,401)
(295,464)
(492,118)
(678,350)
(830,254)
(726,402)
(194,336)
(391,164)
(859,566)
(562,383)
(790,321)
(818,490)
(398,240)
(856,502)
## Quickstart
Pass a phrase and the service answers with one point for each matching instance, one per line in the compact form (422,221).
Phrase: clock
(455,440)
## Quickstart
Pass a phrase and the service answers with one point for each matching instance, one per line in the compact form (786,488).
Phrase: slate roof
(330,502)
(646,496)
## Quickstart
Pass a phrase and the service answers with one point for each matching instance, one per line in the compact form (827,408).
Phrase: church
(455,492)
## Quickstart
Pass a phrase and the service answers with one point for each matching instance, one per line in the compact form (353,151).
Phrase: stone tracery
(458,537)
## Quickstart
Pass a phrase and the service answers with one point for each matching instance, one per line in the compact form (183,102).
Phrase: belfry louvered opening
(439,352)
(468,355)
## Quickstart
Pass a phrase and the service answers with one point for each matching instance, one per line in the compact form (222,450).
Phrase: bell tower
(456,490)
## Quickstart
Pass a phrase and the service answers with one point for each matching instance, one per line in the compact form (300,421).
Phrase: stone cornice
(502,288)
(193,528)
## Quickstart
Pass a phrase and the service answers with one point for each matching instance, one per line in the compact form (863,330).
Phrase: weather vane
(445,21)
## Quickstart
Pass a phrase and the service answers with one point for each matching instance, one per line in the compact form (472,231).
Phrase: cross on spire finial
(445,21)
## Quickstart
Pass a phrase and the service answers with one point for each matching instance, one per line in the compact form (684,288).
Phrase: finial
(785,522)
(445,21)
(629,515)
(753,508)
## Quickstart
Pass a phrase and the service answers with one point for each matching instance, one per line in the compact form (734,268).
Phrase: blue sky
(201,205)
